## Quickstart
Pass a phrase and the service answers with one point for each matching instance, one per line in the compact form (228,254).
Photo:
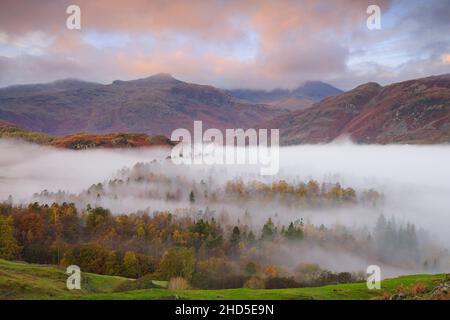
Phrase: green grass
(160,283)
(20,280)
(353,291)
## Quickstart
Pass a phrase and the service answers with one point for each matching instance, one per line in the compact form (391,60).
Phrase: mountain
(52,87)
(154,105)
(299,98)
(415,111)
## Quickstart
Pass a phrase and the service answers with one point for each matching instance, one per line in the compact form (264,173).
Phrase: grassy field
(20,280)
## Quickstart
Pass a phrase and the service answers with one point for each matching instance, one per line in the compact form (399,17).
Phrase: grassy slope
(354,291)
(20,280)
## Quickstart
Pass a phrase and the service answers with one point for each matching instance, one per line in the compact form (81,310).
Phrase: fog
(26,168)
(414,180)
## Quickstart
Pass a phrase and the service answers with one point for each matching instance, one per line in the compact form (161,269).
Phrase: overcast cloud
(229,44)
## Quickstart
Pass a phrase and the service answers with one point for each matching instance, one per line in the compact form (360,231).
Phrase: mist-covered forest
(321,220)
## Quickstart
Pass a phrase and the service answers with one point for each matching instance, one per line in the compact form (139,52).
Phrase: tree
(112,265)
(177,262)
(97,217)
(89,257)
(130,265)
(191,197)
(251,268)
(312,188)
(235,237)
(251,237)
(9,249)
(294,231)
(268,230)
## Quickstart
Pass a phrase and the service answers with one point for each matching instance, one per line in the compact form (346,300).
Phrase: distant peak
(162,75)
(159,78)
(314,82)
(369,85)
(317,89)
(68,80)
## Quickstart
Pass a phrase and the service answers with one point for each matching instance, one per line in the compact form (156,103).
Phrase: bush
(146,282)
(281,283)
(178,283)
(255,283)
(127,285)
(202,281)
(345,277)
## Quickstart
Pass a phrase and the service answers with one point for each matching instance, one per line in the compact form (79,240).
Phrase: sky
(255,44)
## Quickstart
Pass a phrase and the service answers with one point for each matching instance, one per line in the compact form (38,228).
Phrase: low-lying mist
(414,182)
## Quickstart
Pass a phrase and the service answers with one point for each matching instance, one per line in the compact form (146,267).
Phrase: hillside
(154,105)
(415,111)
(9,130)
(85,140)
(19,280)
(111,140)
(31,281)
(299,98)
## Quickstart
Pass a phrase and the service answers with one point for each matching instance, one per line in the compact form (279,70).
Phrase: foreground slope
(353,291)
(415,111)
(19,280)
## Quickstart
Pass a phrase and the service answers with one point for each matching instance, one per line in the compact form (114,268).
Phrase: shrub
(281,283)
(233,281)
(127,285)
(146,282)
(255,283)
(344,277)
(178,283)
(412,290)
(307,273)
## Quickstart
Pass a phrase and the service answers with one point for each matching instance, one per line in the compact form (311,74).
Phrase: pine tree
(235,237)
(268,230)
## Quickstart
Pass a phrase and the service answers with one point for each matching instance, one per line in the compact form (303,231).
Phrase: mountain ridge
(298,98)
(154,105)
(412,111)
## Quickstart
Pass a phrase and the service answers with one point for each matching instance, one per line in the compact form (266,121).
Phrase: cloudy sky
(229,44)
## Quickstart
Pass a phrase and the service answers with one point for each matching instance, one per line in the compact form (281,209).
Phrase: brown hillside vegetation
(415,111)
(111,140)
(84,140)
